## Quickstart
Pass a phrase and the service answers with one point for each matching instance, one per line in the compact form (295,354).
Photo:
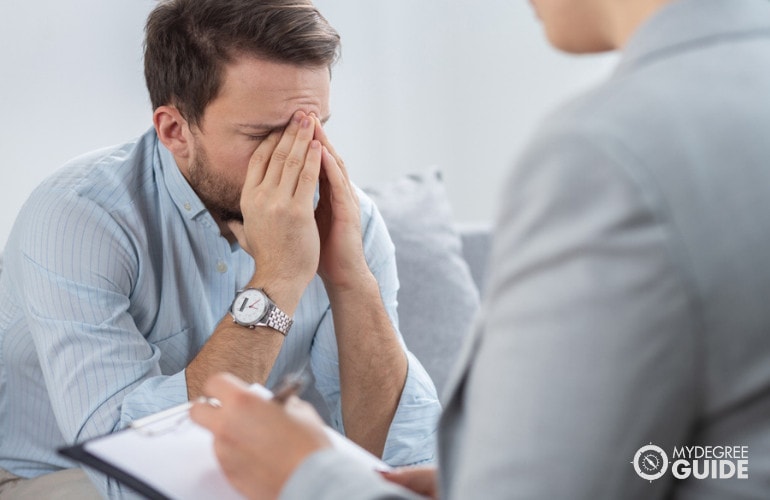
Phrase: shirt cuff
(412,435)
(330,474)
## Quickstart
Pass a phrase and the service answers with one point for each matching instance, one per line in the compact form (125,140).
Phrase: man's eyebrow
(271,127)
(262,127)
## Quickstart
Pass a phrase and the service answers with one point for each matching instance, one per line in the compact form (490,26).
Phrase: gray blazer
(630,298)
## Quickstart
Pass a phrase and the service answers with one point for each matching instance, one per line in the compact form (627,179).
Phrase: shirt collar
(685,22)
(183,195)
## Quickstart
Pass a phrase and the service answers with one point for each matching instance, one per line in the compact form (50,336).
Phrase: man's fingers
(236,227)
(332,171)
(260,159)
(333,164)
(295,163)
(282,151)
(335,176)
(289,159)
(320,134)
(308,177)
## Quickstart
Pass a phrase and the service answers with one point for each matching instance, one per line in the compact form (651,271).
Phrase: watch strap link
(278,320)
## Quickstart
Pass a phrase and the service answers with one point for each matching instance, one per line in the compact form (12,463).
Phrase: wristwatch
(252,308)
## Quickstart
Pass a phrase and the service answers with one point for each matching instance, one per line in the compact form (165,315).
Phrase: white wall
(453,83)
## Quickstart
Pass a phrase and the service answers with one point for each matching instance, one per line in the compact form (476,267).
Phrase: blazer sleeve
(331,475)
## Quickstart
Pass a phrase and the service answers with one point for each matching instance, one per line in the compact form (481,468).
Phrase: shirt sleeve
(79,267)
(412,435)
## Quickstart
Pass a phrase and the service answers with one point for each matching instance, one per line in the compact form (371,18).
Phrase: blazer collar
(686,23)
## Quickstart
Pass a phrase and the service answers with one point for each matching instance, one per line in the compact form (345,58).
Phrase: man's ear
(173,131)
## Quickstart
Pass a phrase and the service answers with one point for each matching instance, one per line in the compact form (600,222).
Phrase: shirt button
(221,267)
(187,206)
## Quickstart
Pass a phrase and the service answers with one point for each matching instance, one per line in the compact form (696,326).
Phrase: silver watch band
(278,320)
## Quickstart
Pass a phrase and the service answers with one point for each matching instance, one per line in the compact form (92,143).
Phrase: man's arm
(96,364)
(280,233)
(412,434)
(372,362)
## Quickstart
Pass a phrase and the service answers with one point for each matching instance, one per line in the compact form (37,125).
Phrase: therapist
(628,300)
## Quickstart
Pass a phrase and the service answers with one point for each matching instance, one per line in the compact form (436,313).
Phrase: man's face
(576,26)
(256,98)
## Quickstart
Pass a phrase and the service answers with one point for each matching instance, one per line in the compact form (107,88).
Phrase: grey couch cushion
(477,243)
(438,297)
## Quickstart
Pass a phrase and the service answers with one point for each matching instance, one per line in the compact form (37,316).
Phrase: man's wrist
(286,295)
(363,285)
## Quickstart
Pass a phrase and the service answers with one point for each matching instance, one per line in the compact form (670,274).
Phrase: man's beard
(222,200)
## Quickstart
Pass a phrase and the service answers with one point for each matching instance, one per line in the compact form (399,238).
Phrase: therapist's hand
(423,480)
(259,443)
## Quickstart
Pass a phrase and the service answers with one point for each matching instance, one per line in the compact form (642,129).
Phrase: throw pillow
(438,298)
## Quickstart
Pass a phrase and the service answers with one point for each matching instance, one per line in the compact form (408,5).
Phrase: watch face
(249,306)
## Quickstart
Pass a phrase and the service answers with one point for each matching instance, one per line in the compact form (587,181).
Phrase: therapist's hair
(189,42)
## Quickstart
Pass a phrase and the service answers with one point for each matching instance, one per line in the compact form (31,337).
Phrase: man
(628,303)
(121,292)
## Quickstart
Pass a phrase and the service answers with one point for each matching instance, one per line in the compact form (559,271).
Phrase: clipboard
(168,456)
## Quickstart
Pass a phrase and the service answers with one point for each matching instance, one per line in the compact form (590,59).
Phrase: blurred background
(457,84)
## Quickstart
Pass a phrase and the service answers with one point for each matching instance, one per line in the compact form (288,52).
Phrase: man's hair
(188,43)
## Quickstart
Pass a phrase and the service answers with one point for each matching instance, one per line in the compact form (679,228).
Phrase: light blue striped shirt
(114,277)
